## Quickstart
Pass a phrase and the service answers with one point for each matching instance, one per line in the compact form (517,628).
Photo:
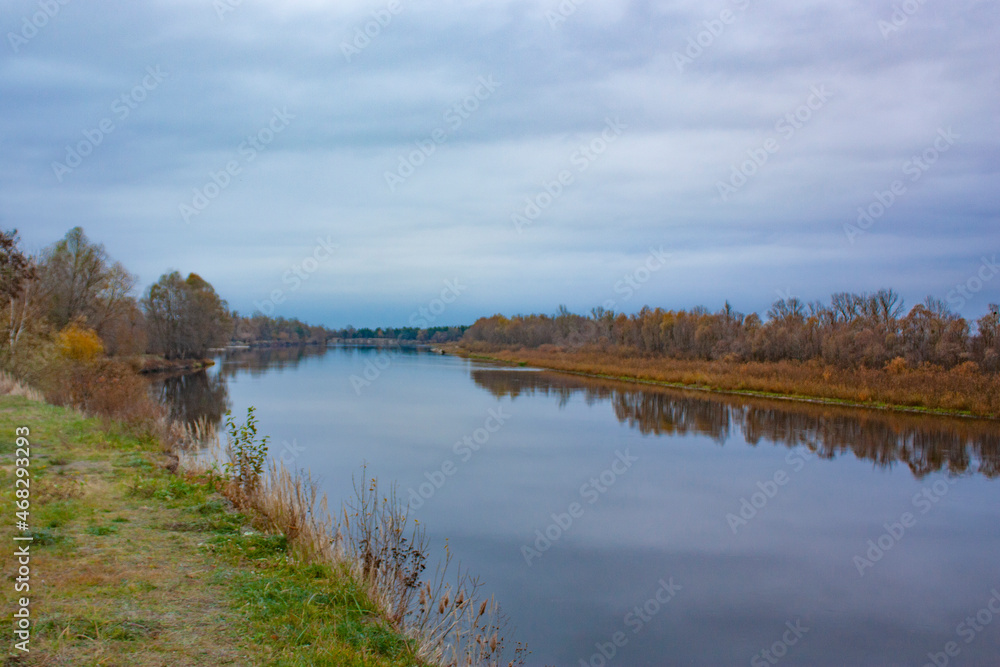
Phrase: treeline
(75,285)
(74,328)
(851,331)
(261,330)
(428,335)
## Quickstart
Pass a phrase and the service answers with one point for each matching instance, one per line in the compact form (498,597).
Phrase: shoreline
(150,365)
(183,574)
(576,367)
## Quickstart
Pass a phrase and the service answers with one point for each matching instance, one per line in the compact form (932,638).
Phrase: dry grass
(963,389)
(105,387)
(135,566)
(289,504)
(109,585)
(9,386)
(453,625)
(378,546)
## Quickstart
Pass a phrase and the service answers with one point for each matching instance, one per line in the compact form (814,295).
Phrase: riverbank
(134,564)
(153,364)
(961,391)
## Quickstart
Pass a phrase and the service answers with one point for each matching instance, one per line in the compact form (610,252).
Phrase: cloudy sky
(353,160)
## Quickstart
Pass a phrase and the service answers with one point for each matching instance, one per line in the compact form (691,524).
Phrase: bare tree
(185,317)
(78,280)
(17,287)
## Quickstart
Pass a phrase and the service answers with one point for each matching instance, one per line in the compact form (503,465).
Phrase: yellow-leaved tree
(79,343)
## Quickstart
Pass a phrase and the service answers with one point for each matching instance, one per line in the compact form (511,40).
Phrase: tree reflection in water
(198,395)
(256,361)
(924,443)
(193,396)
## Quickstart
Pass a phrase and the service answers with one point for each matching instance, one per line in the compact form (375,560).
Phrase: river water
(624,524)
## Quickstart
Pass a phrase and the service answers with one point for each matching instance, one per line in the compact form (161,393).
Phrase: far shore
(927,391)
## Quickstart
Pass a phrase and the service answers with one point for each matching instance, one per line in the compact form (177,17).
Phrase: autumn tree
(17,288)
(987,341)
(185,317)
(80,282)
(853,330)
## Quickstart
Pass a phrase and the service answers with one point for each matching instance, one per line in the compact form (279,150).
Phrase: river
(625,524)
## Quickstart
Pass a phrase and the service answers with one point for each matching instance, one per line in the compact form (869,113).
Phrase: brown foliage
(964,388)
(79,375)
(854,331)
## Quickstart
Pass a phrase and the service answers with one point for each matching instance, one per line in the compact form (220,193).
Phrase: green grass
(132,565)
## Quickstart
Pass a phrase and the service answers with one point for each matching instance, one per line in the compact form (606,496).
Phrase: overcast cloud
(644,129)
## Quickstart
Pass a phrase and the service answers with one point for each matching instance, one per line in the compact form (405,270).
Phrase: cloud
(356,118)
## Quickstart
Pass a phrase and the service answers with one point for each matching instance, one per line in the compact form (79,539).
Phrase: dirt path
(117,573)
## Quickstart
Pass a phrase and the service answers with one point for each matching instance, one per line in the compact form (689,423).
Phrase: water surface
(693,528)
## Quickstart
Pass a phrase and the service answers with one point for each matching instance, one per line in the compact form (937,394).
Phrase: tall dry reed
(375,542)
(10,386)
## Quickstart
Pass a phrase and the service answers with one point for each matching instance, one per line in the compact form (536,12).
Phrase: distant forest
(74,289)
(73,286)
(852,330)
(259,329)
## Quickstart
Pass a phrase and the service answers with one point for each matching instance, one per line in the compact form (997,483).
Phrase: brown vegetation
(853,331)
(962,389)
(132,565)
(375,544)
(185,317)
(860,348)
(152,364)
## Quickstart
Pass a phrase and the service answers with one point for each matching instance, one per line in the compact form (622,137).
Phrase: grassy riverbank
(958,391)
(132,564)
